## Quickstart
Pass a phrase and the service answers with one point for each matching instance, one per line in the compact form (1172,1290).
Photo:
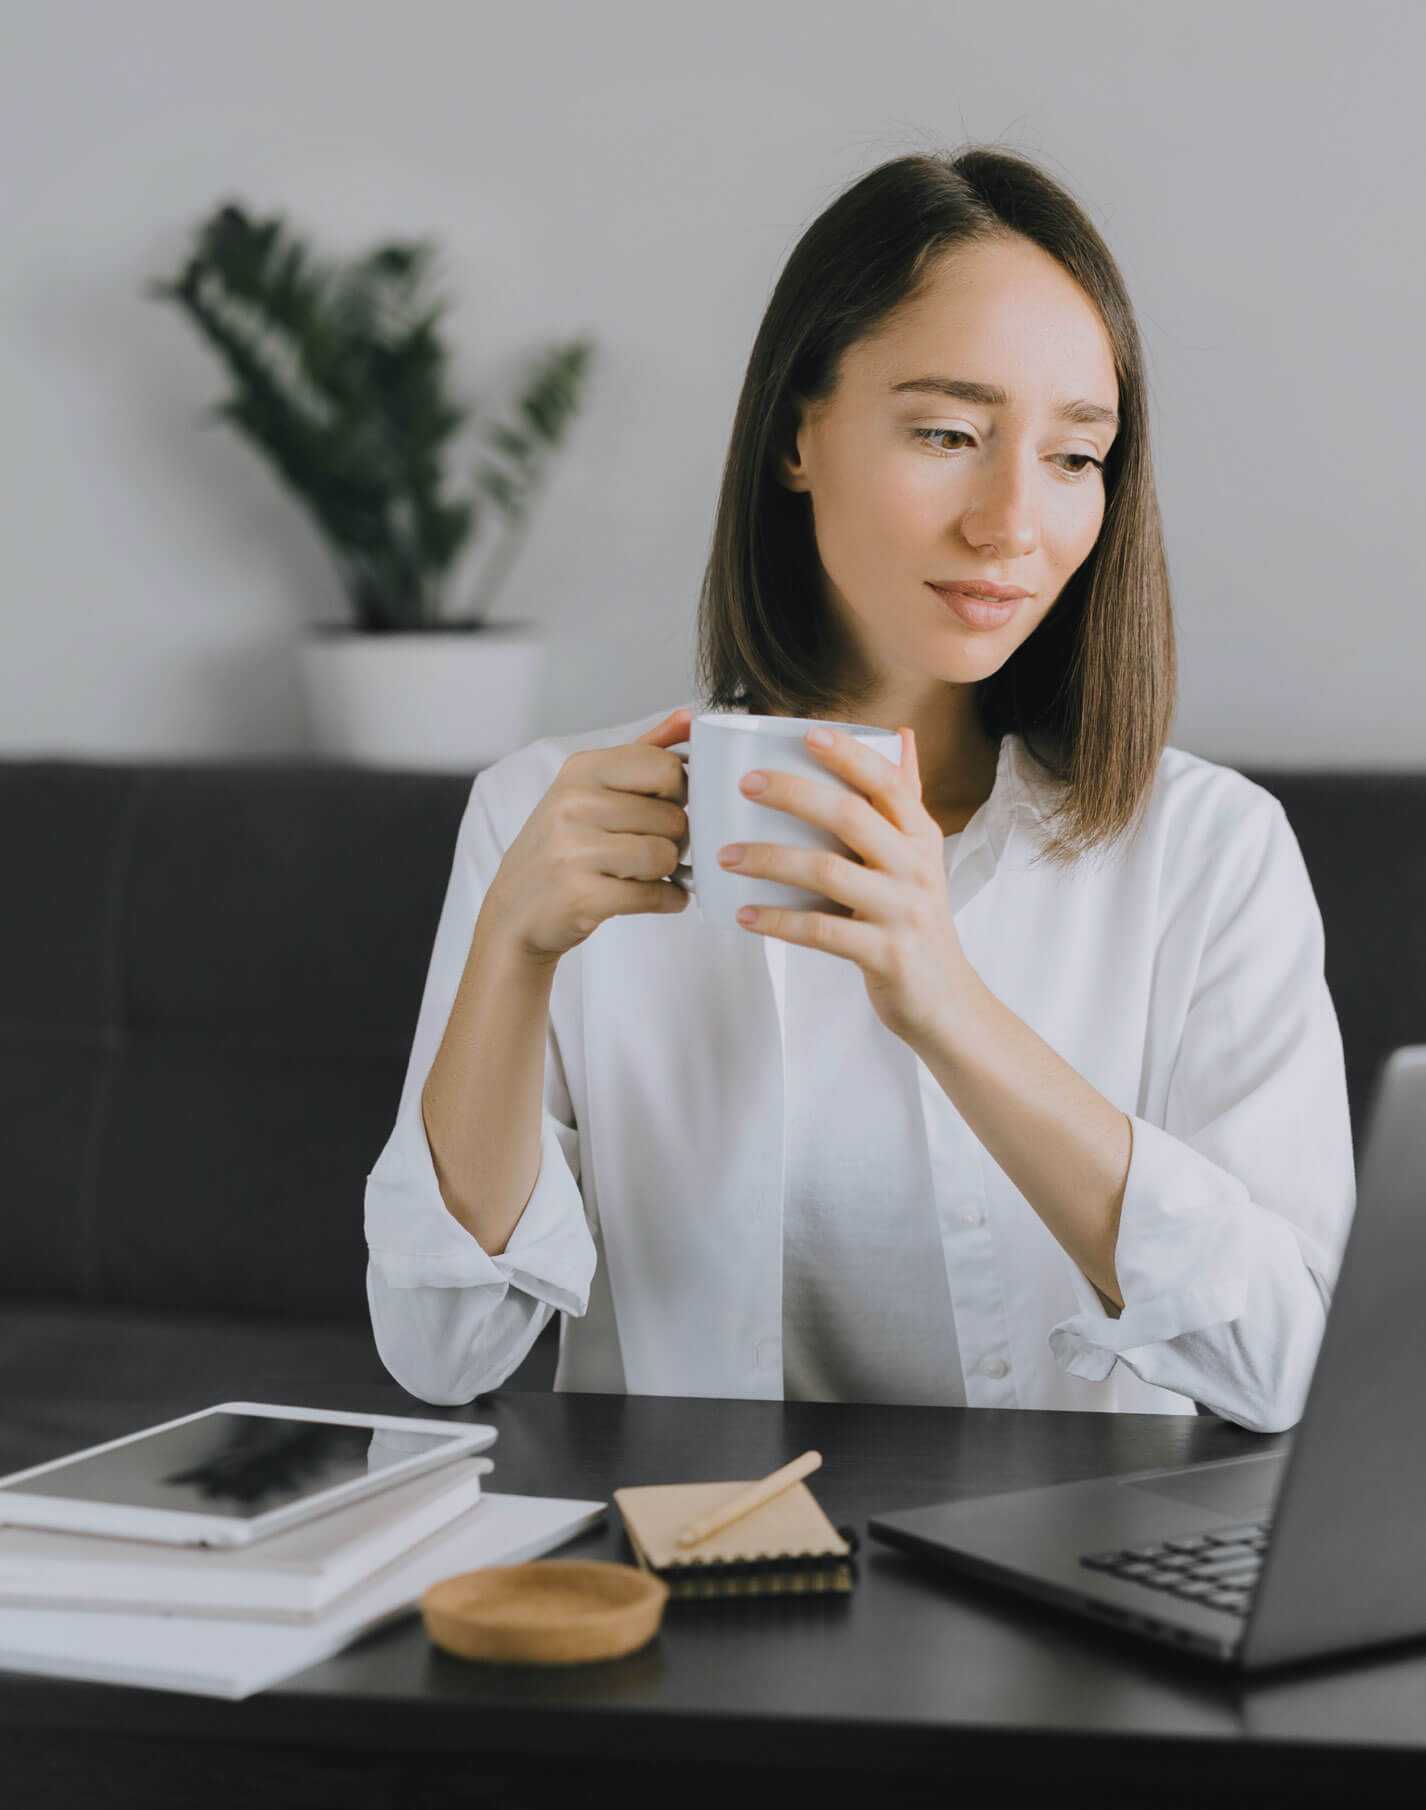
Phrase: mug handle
(683,874)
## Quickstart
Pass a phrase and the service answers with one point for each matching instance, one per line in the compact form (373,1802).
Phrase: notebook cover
(791,1527)
(215,1657)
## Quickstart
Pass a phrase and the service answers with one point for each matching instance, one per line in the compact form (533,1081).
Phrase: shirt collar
(1022,789)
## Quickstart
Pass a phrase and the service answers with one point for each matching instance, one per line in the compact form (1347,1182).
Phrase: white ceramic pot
(441,699)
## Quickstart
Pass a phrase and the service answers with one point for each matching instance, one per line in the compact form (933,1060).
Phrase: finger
(888,786)
(674,728)
(850,938)
(850,817)
(910,759)
(863,889)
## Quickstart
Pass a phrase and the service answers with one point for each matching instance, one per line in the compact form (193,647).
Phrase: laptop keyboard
(1218,1569)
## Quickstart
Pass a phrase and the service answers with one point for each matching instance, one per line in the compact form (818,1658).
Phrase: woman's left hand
(898,927)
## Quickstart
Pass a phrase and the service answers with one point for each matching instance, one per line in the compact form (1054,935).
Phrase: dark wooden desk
(917,1685)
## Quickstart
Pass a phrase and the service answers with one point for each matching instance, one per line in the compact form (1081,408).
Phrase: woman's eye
(927,434)
(939,433)
(1085,461)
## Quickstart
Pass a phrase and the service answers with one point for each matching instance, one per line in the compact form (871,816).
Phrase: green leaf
(340,382)
(518,447)
(495,484)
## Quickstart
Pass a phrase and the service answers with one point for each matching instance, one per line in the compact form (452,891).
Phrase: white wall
(639,172)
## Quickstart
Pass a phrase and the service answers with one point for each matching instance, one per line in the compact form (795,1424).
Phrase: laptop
(1274,1557)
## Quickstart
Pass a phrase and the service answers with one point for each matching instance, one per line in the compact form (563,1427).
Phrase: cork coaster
(546,1612)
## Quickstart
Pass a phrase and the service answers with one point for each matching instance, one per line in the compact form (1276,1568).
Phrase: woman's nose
(1004,511)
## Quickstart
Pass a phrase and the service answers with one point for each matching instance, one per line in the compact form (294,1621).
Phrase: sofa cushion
(209,980)
(1363,838)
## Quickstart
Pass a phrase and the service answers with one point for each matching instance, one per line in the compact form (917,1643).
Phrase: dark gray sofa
(209,976)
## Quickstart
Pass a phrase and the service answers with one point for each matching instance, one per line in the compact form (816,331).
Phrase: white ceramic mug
(723,746)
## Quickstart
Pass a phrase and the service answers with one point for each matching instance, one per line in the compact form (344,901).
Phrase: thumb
(910,763)
(674,727)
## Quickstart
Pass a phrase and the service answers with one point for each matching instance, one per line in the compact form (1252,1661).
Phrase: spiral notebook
(787,1547)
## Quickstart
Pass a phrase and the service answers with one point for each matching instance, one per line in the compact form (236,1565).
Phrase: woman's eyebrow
(990,395)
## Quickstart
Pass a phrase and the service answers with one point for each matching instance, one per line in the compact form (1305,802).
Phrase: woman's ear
(790,474)
(791,468)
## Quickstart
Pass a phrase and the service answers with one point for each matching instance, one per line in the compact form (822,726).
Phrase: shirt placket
(957,1161)
(972,1275)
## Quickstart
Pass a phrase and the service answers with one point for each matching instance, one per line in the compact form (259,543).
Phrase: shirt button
(993,1367)
(972,1216)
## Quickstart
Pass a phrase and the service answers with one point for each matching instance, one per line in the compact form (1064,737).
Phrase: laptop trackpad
(1246,1488)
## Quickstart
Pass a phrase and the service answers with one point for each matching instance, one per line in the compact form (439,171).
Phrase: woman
(1051,1110)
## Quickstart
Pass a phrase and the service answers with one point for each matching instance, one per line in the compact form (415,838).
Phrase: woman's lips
(977,612)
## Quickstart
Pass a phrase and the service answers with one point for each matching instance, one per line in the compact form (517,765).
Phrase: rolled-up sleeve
(451,1321)
(1237,1207)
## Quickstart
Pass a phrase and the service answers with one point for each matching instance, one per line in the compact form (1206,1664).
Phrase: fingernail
(754,782)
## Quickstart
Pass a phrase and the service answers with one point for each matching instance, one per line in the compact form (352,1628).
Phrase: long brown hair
(1092,691)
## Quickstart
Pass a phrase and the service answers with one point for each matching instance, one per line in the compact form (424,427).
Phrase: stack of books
(225,1622)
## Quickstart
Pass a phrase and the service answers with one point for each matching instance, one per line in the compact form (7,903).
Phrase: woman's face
(909,485)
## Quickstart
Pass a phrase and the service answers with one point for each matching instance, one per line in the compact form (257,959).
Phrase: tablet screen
(239,1465)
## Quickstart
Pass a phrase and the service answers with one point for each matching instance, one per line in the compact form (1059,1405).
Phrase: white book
(225,1656)
(293,1575)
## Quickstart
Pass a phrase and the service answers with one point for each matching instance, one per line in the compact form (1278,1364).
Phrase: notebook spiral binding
(768,1575)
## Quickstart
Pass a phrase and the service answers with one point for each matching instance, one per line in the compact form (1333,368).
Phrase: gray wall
(639,172)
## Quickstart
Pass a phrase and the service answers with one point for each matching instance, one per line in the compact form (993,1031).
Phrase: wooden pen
(752,1497)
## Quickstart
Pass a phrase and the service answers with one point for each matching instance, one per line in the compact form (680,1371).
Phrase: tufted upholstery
(209,976)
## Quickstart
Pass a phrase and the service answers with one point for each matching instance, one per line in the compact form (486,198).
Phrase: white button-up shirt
(749,1187)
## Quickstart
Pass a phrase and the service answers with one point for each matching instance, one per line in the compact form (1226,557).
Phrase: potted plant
(339,376)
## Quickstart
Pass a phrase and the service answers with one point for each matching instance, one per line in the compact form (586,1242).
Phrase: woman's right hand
(598,845)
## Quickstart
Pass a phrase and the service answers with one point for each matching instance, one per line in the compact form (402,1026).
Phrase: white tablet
(231,1474)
